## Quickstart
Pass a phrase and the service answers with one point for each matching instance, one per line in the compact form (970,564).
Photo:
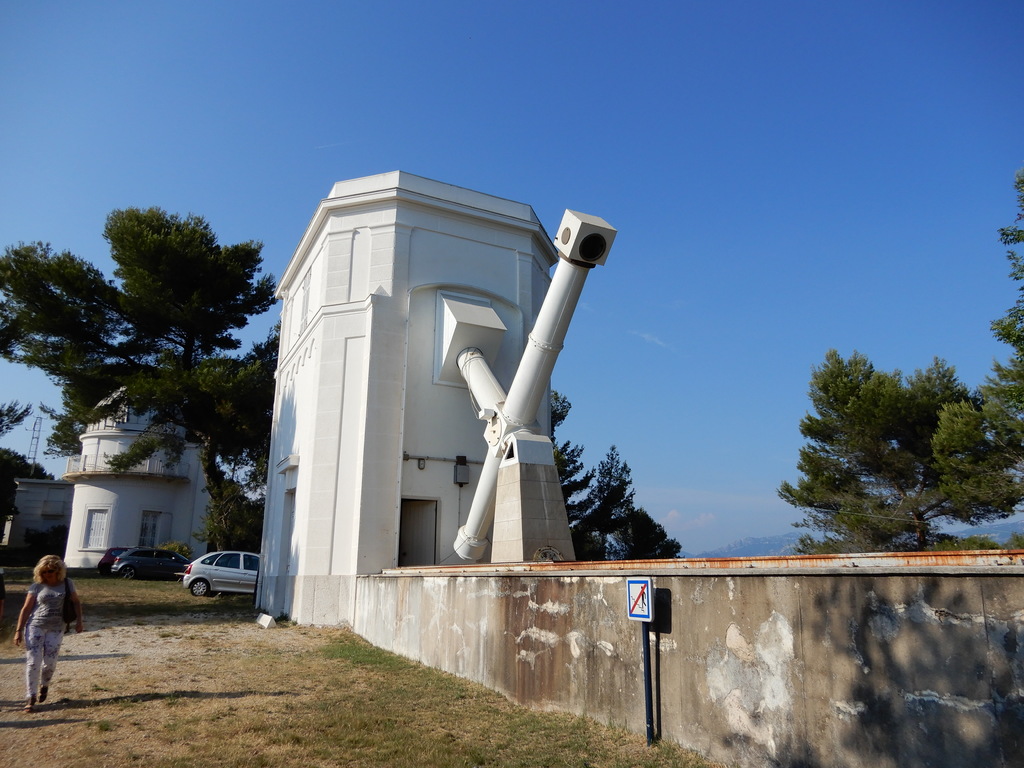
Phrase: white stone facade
(368,420)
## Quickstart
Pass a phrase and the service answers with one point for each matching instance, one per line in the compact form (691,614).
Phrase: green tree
(1010,327)
(640,537)
(14,465)
(610,526)
(890,458)
(241,393)
(1005,389)
(572,474)
(603,520)
(157,339)
(1016,541)
(609,500)
(12,414)
(979,447)
(965,543)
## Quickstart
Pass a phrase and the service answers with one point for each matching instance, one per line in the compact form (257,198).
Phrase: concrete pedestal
(530,522)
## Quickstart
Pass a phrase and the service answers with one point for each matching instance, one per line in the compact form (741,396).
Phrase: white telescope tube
(488,395)
(470,541)
(545,342)
(484,388)
(517,410)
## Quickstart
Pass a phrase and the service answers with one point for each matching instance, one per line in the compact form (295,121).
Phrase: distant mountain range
(754,546)
(783,544)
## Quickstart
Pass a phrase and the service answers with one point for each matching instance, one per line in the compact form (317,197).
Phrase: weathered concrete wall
(877,668)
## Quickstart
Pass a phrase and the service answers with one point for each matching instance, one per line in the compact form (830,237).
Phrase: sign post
(640,607)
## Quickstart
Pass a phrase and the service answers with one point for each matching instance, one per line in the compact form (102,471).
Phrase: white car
(222,572)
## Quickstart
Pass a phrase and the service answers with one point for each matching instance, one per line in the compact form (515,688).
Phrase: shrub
(178,546)
(1016,541)
(956,544)
(51,541)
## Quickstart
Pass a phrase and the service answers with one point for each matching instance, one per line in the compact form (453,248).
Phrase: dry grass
(165,680)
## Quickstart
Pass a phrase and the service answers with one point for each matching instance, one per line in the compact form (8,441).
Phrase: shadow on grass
(30,723)
(141,610)
(169,696)
(91,656)
(69,657)
(128,698)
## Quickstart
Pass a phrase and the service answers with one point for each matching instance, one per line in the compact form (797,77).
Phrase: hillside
(782,544)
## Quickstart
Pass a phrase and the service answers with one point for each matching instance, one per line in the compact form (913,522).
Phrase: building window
(150,527)
(96,529)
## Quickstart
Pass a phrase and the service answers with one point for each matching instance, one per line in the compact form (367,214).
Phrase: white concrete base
(266,621)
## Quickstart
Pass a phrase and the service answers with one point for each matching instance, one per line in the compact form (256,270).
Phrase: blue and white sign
(640,599)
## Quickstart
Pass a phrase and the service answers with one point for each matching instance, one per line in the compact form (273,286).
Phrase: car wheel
(127,572)
(199,588)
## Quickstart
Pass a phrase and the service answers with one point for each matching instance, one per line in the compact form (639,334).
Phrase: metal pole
(648,694)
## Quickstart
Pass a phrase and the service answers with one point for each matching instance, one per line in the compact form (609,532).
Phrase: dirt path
(117,682)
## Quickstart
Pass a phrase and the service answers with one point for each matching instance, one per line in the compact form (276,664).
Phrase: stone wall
(876,667)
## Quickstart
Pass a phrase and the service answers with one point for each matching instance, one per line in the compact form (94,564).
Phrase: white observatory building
(159,500)
(378,446)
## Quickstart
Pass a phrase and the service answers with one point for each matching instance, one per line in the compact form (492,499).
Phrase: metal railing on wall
(151,466)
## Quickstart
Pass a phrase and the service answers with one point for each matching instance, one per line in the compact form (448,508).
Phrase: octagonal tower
(376,448)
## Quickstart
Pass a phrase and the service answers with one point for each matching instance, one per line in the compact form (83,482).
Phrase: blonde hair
(49,561)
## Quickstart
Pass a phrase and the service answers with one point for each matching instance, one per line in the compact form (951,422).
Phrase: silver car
(222,572)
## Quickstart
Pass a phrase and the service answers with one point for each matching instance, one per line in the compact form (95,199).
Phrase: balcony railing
(151,466)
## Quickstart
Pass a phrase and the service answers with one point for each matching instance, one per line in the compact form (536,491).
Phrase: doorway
(417,533)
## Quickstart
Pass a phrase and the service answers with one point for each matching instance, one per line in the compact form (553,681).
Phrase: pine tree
(574,477)
(14,465)
(603,520)
(640,537)
(890,458)
(613,527)
(1010,327)
(158,339)
(12,414)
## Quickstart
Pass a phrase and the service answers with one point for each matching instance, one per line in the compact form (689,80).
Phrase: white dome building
(157,501)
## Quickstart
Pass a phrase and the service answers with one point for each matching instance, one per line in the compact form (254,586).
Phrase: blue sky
(786,177)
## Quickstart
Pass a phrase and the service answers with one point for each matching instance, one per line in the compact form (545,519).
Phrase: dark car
(103,566)
(148,563)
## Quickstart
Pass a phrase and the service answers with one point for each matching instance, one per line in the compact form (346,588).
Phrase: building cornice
(400,188)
